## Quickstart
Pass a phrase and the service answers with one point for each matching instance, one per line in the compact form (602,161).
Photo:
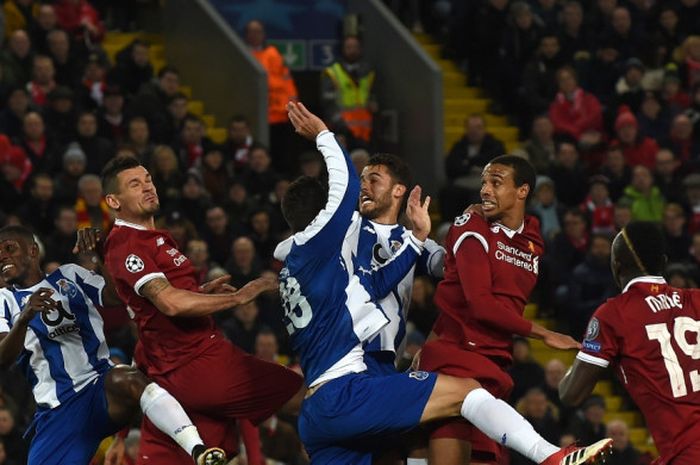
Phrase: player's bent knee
(127,381)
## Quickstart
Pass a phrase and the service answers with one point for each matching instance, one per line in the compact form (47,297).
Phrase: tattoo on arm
(152,288)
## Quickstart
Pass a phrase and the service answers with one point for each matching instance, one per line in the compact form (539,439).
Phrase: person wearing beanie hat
(14,164)
(637,149)
(546,208)
(629,88)
(66,183)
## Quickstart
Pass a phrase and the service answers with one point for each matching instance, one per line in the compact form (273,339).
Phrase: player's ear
(112,201)
(399,190)
(523,191)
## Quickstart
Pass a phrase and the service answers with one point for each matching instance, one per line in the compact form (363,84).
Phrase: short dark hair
(19,231)
(523,171)
(398,169)
(647,244)
(112,169)
(305,198)
(168,69)
(239,119)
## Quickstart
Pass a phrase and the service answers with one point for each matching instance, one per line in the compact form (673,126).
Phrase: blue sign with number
(322,53)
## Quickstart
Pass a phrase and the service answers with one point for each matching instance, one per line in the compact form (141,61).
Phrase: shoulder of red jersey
(123,238)
(465,226)
(533,230)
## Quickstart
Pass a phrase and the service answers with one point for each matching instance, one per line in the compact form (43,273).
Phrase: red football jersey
(135,255)
(651,335)
(490,271)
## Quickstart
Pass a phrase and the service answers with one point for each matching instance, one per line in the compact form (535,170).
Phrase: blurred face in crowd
(67,221)
(33,126)
(542,129)
(572,16)
(266,346)
(87,125)
(623,215)
(567,81)
(668,19)
(18,102)
(217,220)
(524,20)
(46,17)
(43,188)
(627,134)
(59,44)
(379,191)
(113,104)
(237,193)
(238,131)
(178,108)
(521,351)
(600,249)
(170,83)
(574,226)
(165,160)
(476,129)
(545,194)
(499,4)
(651,107)
(214,160)
(255,34)
(243,252)
(94,72)
(43,71)
(674,220)
(139,54)
(259,160)
(615,161)
(281,189)
(260,223)
(606,6)
(198,252)
(247,313)
(74,167)
(666,163)
(682,127)
(621,21)
(695,247)
(567,155)
(3,454)
(192,132)
(594,414)
(599,193)
(641,179)
(619,433)
(634,76)
(352,50)
(20,44)
(554,372)
(535,404)
(7,421)
(138,132)
(192,189)
(91,191)
(549,47)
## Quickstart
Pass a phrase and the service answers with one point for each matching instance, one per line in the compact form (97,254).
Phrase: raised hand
(39,302)
(418,214)
(89,240)
(305,123)
(560,341)
(219,285)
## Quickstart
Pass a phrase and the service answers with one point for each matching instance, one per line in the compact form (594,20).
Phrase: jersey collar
(645,279)
(510,232)
(119,222)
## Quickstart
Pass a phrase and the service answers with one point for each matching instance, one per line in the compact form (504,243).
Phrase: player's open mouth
(488,204)
(7,267)
(365,199)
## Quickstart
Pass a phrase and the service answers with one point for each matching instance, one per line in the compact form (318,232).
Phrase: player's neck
(391,216)
(34,276)
(512,220)
(148,223)
(625,280)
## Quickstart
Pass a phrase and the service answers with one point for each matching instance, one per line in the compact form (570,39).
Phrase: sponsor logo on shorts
(591,346)
(419,375)
(133,263)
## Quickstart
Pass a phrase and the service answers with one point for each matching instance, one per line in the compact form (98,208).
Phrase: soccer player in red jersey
(650,336)
(491,266)
(178,346)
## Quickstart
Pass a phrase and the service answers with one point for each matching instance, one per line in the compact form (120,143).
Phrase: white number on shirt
(660,333)
(297,310)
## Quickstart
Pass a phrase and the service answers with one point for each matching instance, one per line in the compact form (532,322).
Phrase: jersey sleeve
(327,230)
(600,344)
(432,261)
(88,281)
(6,306)
(387,277)
(133,263)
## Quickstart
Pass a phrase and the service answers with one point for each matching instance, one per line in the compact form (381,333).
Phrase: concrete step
(530,311)
(424,39)
(632,419)
(639,435)
(460,91)
(448,65)
(196,107)
(453,77)
(466,106)
(454,118)
(187,90)
(613,403)
(544,356)
(218,135)
(502,133)
(603,388)
(209,121)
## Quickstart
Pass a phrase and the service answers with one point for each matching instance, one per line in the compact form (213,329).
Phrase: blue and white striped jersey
(381,242)
(64,350)
(328,291)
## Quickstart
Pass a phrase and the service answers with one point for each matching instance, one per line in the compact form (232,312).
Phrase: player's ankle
(198,450)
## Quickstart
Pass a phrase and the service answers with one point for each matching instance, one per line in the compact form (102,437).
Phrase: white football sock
(503,424)
(166,413)
(410,461)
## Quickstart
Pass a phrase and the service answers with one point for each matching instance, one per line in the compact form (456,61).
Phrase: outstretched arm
(12,342)
(579,381)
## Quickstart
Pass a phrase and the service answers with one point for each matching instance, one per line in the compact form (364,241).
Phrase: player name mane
(663,302)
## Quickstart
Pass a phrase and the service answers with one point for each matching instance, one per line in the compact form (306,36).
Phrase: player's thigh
(449,451)
(124,386)
(356,407)
(483,450)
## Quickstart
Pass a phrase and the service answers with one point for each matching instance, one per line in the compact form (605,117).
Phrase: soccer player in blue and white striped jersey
(50,327)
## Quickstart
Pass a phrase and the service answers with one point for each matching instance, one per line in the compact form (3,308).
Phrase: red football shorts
(218,387)
(450,359)
(689,456)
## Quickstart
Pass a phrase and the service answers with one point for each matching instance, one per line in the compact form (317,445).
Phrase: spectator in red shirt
(42,82)
(637,149)
(599,207)
(574,112)
(78,17)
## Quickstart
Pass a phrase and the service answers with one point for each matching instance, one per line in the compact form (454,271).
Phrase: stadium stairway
(116,41)
(639,435)
(460,101)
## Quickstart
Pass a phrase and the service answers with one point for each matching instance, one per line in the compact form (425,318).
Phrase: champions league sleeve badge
(134,264)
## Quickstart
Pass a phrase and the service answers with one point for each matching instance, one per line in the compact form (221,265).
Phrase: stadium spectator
(541,148)
(17,59)
(111,119)
(629,88)
(97,150)
(14,164)
(574,112)
(673,95)
(138,138)
(675,232)
(667,175)
(546,207)
(311,164)
(691,186)
(569,175)
(4,459)
(93,83)
(39,210)
(239,205)
(214,172)
(617,171)
(689,69)
(554,371)
(192,144)
(667,35)
(243,327)
(602,72)
(280,441)
(645,198)
(219,234)
(152,102)
(683,141)
(525,371)
(80,19)
(67,65)
(347,93)
(12,116)
(637,150)
(198,253)
(653,118)
(60,242)
(543,416)
(567,250)
(623,214)
(588,426)
(243,264)
(624,452)
(91,208)
(194,199)
(73,168)
(61,115)
(41,149)
(625,38)
(15,445)
(422,312)
(239,142)
(178,113)
(134,67)
(42,82)
(46,22)
(260,178)
(576,38)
